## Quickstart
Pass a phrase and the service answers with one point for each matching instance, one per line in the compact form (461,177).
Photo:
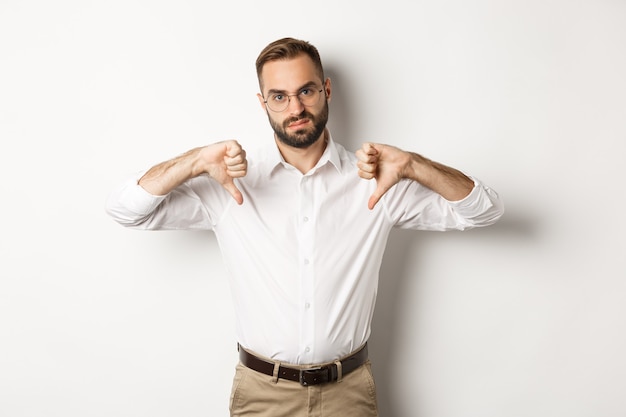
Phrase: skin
(290,76)
(297,138)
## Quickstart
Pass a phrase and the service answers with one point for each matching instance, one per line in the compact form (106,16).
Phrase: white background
(525,318)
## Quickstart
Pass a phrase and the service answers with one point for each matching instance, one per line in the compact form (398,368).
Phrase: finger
(372,202)
(366,175)
(365,167)
(367,153)
(237,171)
(369,148)
(237,165)
(376,196)
(361,155)
(233,148)
(237,174)
(366,158)
(235,155)
(234,191)
(233,161)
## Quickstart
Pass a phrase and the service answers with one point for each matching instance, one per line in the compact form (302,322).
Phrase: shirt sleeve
(182,209)
(410,205)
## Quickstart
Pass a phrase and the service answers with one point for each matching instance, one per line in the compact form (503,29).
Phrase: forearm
(448,182)
(164,177)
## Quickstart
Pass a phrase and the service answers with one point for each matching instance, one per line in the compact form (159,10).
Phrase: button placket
(307,281)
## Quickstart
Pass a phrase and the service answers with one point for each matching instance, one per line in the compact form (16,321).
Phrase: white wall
(526,318)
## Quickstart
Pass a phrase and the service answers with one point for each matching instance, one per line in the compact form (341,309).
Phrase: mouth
(298,124)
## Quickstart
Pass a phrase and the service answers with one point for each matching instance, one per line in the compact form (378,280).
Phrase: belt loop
(275,373)
(339,371)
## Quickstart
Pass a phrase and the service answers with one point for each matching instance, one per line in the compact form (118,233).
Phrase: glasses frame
(296,96)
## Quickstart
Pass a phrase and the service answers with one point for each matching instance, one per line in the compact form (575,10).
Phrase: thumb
(381,189)
(230,186)
(372,201)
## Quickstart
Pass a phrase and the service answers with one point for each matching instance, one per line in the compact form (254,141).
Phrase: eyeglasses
(278,102)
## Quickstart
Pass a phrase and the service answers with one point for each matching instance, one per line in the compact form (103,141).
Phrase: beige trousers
(258,395)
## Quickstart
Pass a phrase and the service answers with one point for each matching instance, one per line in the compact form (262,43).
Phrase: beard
(302,138)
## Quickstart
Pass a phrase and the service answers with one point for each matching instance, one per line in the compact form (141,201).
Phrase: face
(297,126)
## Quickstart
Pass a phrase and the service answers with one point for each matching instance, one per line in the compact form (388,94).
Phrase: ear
(328,88)
(261,101)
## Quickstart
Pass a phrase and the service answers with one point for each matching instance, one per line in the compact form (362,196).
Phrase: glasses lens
(279,102)
(308,96)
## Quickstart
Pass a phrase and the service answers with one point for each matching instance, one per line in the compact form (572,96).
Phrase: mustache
(304,115)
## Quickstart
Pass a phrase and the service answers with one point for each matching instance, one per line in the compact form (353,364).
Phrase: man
(302,232)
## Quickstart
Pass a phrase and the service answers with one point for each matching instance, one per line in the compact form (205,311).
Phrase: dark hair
(288,48)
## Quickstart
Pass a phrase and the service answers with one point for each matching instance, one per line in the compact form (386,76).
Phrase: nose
(295,106)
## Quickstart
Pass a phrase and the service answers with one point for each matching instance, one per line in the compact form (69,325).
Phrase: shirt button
(305,219)
(306,261)
(307,305)
(307,349)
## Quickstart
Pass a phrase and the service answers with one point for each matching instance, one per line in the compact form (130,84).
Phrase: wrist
(198,164)
(415,167)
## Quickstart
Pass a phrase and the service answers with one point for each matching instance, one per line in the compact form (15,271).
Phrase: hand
(386,164)
(225,161)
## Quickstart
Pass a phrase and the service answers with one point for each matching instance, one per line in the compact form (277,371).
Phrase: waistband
(310,375)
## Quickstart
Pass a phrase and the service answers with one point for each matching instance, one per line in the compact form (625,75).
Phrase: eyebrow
(307,85)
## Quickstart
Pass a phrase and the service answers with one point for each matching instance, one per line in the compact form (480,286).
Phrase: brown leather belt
(307,376)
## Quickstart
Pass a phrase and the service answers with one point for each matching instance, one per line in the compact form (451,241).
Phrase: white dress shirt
(303,251)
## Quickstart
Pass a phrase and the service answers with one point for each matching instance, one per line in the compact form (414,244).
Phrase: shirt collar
(331,155)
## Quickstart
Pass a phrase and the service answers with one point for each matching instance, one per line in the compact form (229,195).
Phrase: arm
(388,165)
(134,203)
(222,161)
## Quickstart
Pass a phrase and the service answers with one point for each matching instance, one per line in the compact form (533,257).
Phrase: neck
(304,159)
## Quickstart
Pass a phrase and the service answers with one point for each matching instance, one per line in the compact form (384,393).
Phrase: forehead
(289,74)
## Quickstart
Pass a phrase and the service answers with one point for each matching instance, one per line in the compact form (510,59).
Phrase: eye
(277,98)
(305,92)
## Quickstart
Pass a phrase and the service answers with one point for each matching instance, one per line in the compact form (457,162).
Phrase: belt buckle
(309,371)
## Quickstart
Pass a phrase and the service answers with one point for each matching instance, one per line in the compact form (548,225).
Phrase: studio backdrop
(522,319)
